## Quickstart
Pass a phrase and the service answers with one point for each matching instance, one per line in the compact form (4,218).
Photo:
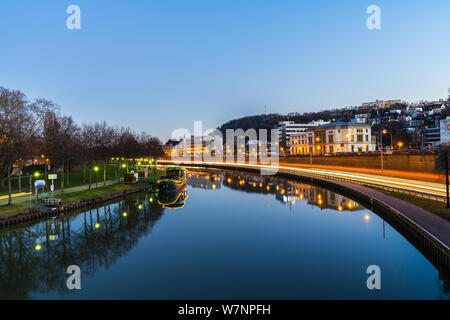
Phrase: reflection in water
(173,199)
(286,191)
(34,258)
(205,179)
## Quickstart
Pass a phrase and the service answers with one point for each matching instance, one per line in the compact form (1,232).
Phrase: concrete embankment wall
(397,162)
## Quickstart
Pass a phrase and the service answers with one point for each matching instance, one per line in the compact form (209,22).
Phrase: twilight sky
(160,65)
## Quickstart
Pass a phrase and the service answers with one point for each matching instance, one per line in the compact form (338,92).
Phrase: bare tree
(20,124)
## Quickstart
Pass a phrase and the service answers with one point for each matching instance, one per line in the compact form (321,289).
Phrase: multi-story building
(382,103)
(431,137)
(288,128)
(197,146)
(335,137)
(445,131)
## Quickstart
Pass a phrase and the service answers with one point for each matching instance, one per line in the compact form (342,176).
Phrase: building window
(367,137)
(360,138)
(331,149)
(353,138)
(330,139)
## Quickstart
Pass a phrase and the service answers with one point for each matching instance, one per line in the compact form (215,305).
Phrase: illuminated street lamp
(400,144)
(36,175)
(96,176)
(387,132)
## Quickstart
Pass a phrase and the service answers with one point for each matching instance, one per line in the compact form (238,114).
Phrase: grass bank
(7,211)
(82,195)
(98,192)
(437,207)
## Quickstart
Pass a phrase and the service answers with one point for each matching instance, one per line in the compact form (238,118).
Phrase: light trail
(432,188)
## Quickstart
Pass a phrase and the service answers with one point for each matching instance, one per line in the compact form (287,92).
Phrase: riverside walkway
(23,198)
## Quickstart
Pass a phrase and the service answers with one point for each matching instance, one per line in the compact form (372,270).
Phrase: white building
(288,128)
(336,137)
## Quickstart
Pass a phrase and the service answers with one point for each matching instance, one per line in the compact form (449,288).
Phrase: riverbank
(73,197)
(83,200)
(86,195)
(7,211)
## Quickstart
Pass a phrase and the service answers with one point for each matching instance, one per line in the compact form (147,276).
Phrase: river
(229,235)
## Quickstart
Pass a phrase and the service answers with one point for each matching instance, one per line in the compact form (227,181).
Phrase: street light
(386,132)
(381,150)
(36,175)
(96,176)
(400,144)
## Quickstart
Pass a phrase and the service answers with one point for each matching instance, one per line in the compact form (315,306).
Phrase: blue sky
(160,65)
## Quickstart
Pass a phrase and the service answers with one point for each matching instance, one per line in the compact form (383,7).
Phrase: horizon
(132,65)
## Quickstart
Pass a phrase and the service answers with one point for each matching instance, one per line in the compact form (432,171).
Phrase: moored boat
(175,179)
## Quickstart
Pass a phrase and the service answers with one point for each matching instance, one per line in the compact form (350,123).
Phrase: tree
(60,141)
(20,125)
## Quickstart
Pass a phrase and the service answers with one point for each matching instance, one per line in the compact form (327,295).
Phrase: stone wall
(402,162)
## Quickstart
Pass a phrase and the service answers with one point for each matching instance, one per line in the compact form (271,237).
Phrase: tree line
(29,129)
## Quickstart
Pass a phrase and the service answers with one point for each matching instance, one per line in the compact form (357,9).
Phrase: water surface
(230,236)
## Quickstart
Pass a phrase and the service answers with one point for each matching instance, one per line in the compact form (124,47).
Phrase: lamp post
(96,176)
(387,132)
(381,150)
(36,175)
